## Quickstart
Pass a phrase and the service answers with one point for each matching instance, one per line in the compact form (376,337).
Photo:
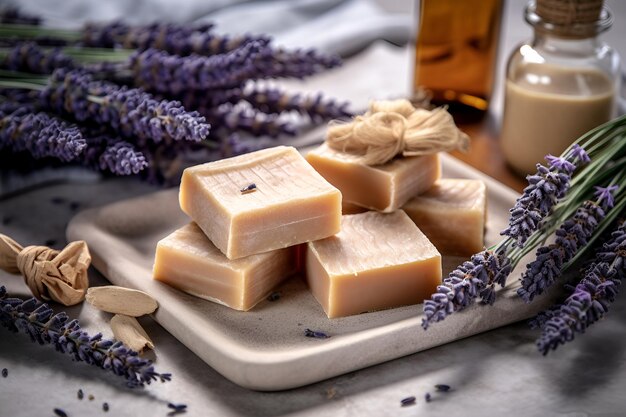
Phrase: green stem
(32,32)
(23,85)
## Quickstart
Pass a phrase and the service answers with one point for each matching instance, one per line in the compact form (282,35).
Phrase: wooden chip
(128,330)
(120,300)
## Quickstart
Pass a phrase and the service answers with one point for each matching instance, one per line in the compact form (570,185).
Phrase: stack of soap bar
(261,201)
(377,261)
(187,260)
(452,214)
(383,187)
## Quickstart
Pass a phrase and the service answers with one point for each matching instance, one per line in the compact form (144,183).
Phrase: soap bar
(261,201)
(377,261)
(452,214)
(383,187)
(187,260)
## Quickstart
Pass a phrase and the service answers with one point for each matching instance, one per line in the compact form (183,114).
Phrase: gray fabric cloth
(338,26)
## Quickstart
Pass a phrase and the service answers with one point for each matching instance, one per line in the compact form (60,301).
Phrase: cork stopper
(570,18)
(569,12)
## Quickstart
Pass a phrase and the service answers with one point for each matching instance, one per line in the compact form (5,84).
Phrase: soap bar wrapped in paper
(261,201)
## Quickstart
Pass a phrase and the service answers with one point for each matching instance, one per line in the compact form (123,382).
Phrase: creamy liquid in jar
(546,108)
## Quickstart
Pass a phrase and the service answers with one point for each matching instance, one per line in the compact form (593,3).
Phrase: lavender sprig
(545,189)
(41,135)
(591,298)
(474,278)
(181,40)
(161,72)
(37,320)
(130,112)
(275,101)
(30,57)
(573,235)
(232,118)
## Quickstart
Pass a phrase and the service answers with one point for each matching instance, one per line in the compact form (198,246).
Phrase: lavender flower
(545,188)
(111,154)
(175,39)
(591,298)
(29,57)
(317,107)
(571,236)
(158,71)
(130,112)
(234,118)
(41,135)
(297,63)
(122,158)
(605,195)
(44,327)
(474,278)
(161,72)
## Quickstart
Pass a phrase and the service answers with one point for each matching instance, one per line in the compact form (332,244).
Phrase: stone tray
(265,349)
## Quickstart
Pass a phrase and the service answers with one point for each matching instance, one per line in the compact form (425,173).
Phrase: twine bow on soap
(392,128)
(50,274)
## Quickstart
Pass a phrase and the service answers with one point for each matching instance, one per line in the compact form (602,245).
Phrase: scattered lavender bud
(427,397)
(57,200)
(248,188)
(74,205)
(80,394)
(315,334)
(442,387)
(407,401)
(60,412)
(275,296)
(105,407)
(177,407)
(7,220)
(5,372)
(50,242)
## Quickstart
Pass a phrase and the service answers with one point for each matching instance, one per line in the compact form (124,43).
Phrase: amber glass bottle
(456,47)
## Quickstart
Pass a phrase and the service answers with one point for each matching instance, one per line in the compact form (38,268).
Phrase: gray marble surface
(496,373)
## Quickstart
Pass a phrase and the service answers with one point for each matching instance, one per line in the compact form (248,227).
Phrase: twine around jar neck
(569,19)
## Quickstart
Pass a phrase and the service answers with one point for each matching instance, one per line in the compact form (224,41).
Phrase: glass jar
(561,84)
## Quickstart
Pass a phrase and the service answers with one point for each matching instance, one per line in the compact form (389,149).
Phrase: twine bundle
(392,128)
(50,274)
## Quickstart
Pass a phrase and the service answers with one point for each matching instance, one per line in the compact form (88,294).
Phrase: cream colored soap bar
(452,214)
(187,260)
(377,261)
(287,201)
(381,187)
